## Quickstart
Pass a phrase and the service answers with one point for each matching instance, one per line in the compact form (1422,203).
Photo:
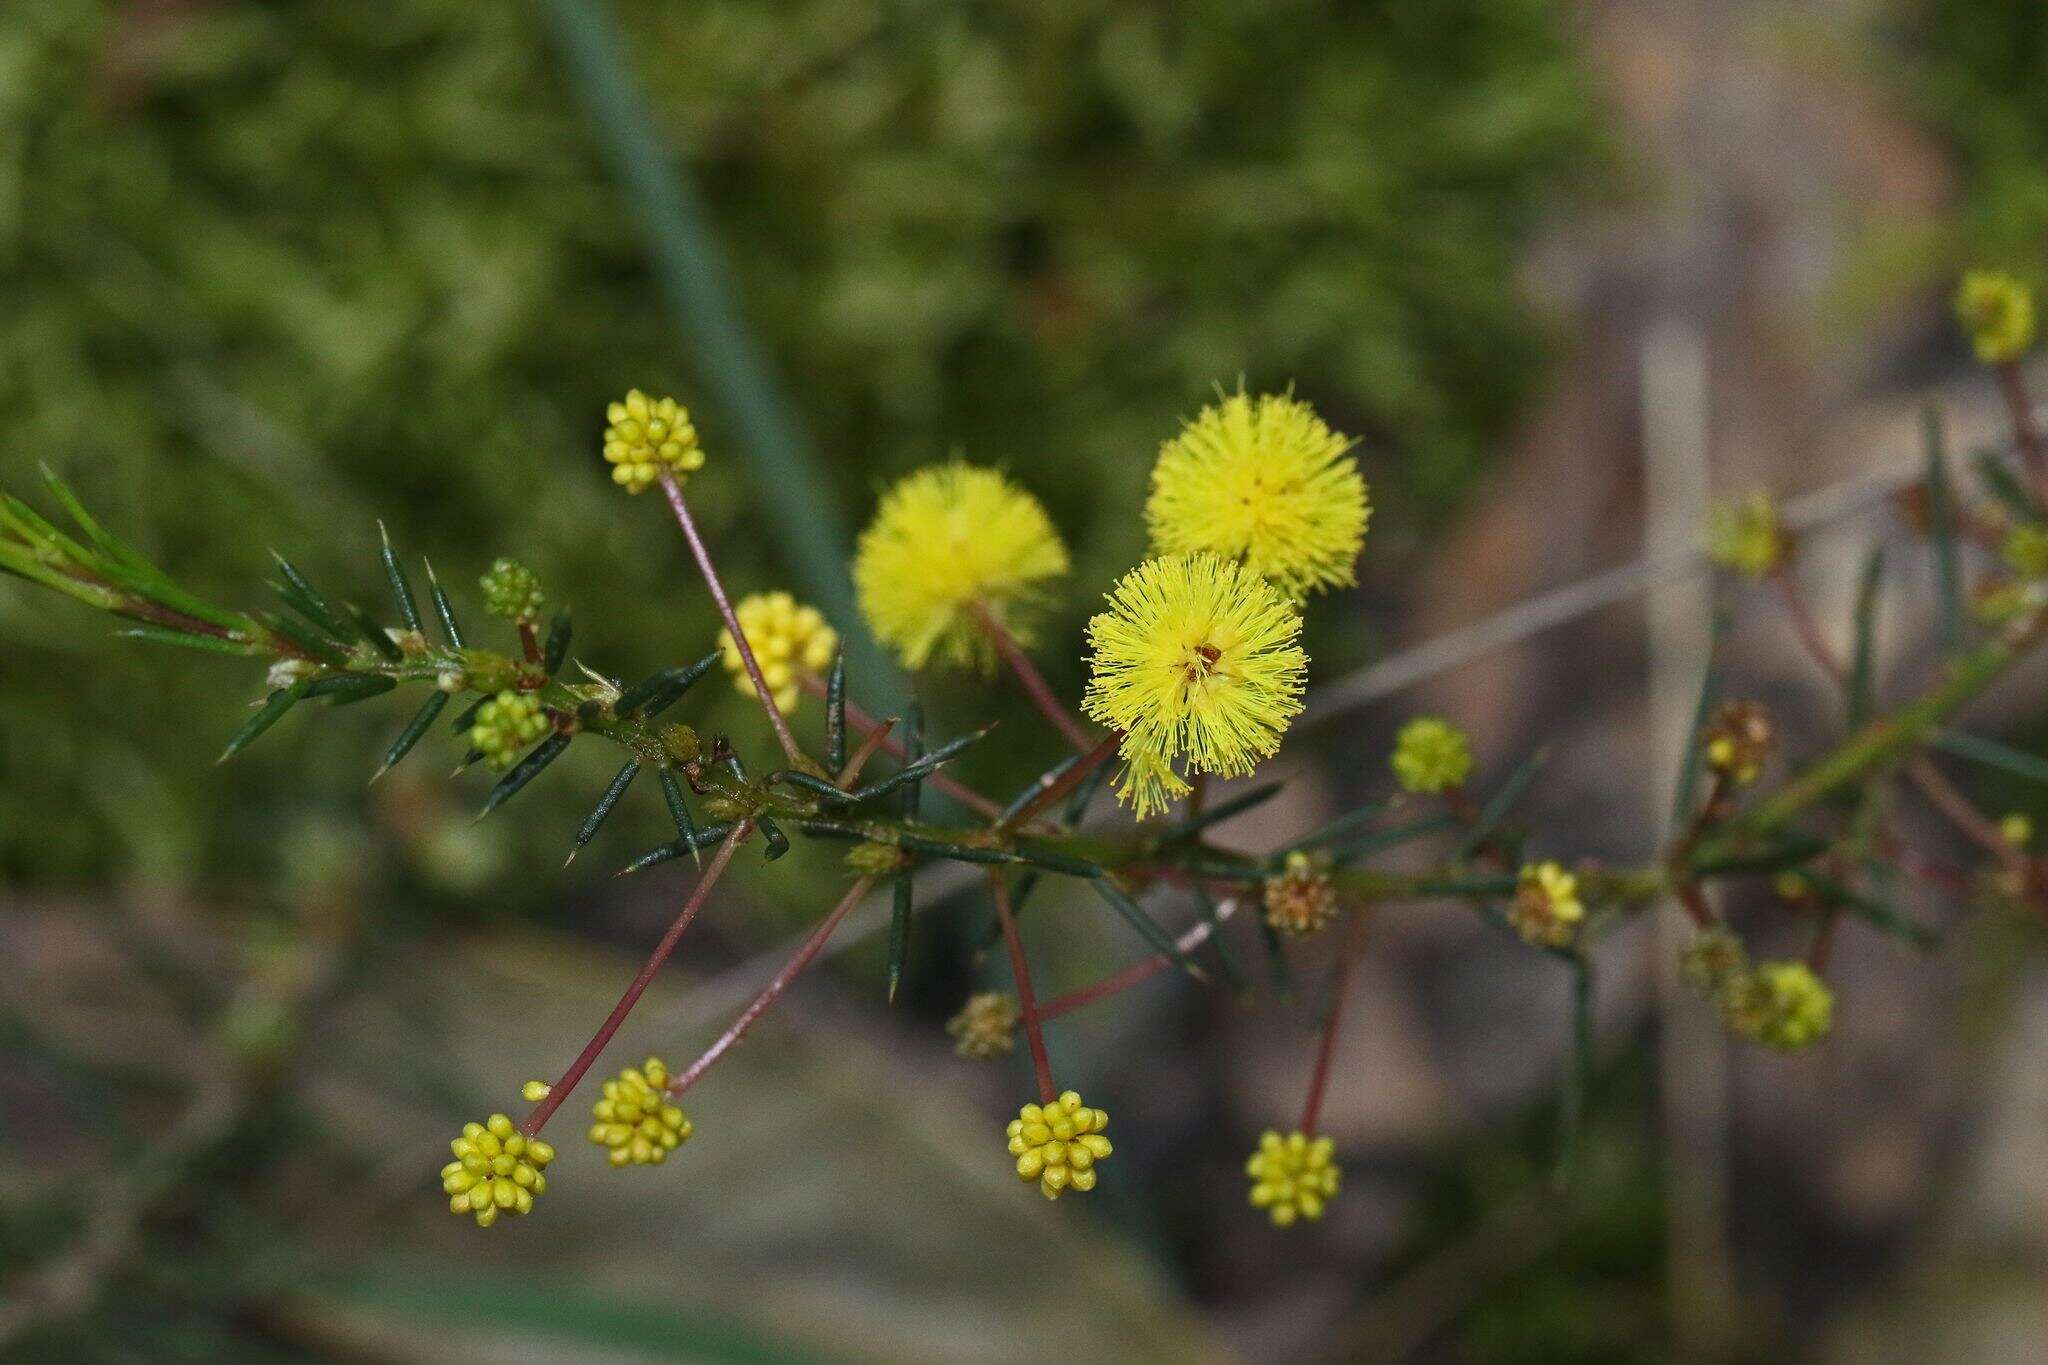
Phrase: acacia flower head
(2016,828)
(1058,1144)
(986,1026)
(1781,1005)
(1738,741)
(948,542)
(506,724)
(647,437)
(1997,311)
(1300,901)
(1431,755)
(1293,1177)
(1546,910)
(634,1119)
(788,640)
(2025,550)
(1748,536)
(1266,482)
(1711,960)
(1198,662)
(497,1170)
(511,591)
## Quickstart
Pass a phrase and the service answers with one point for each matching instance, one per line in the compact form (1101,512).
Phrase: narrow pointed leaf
(2003,484)
(835,715)
(1148,928)
(777,843)
(1277,969)
(1863,662)
(304,597)
(468,717)
(421,722)
(212,644)
(1380,840)
(606,804)
(1057,862)
(1578,1074)
(917,769)
(681,848)
(1786,854)
(1689,759)
(1343,825)
(914,756)
(378,637)
(307,639)
(1084,794)
(816,786)
(267,715)
(678,808)
(1029,794)
(1498,808)
(1224,810)
(442,606)
(959,853)
(656,693)
(1941,531)
(1876,914)
(556,651)
(347,688)
(524,771)
(1992,754)
(899,931)
(401,586)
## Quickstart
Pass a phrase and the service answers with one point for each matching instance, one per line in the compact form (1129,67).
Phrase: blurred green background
(269,272)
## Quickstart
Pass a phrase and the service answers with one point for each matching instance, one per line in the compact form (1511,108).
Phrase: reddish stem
(561,1088)
(1027,1002)
(1964,815)
(1143,970)
(1808,627)
(877,740)
(771,992)
(1319,1083)
(2013,383)
(1824,941)
(529,642)
(1041,692)
(1066,781)
(674,490)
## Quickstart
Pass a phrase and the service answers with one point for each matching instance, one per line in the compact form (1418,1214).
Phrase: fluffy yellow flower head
(1058,1144)
(1431,755)
(986,1026)
(946,542)
(645,436)
(788,640)
(635,1120)
(1546,910)
(2017,829)
(1292,1177)
(1998,313)
(1747,536)
(1197,661)
(1263,481)
(497,1169)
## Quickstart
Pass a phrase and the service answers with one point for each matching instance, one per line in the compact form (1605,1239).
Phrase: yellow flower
(1998,313)
(1546,910)
(1058,1144)
(2017,829)
(1781,1005)
(986,1026)
(645,437)
(497,1169)
(1263,481)
(788,641)
(1431,755)
(1292,1177)
(635,1120)
(1738,741)
(947,542)
(506,724)
(1747,536)
(1197,662)
(1300,901)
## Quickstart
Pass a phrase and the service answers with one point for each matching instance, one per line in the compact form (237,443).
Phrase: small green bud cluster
(512,592)
(506,724)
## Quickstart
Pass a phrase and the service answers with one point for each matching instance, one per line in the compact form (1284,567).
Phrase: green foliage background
(270,271)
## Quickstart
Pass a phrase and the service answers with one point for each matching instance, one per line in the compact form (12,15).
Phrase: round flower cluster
(1431,755)
(1058,1144)
(947,545)
(2016,828)
(497,1169)
(1197,661)
(647,437)
(1748,536)
(1738,741)
(1998,313)
(635,1121)
(986,1026)
(1300,901)
(2025,550)
(1546,910)
(512,592)
(788,640)
(1293,1177)
(1781,1005)
(1265,482)
(506,724)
